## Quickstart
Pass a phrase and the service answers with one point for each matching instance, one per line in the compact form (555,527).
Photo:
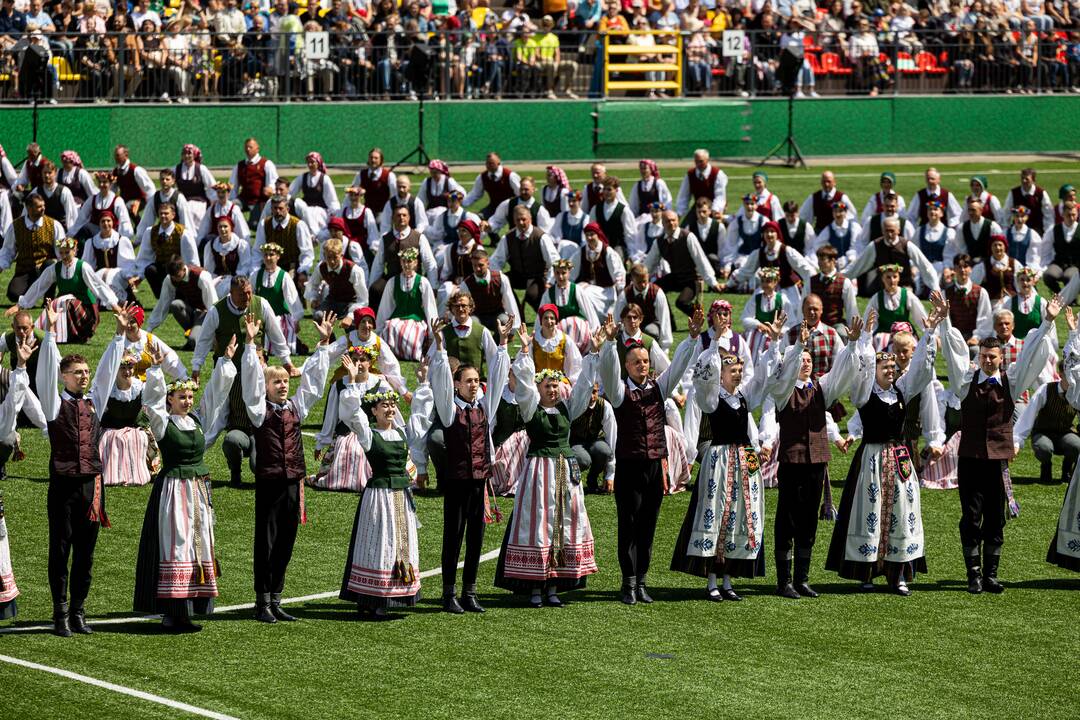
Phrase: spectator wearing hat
(1059,251)
(111,256)
(996,273)
(358,225)
(277,287)
(187,293)
(497,182)
(876,204)
(974,233)
(252,180)
(650,189)
(317,191)
(443,221)
(407,309)
(652,304)
(436,187)
(404,198)
(160,244)
(30,245)
(703,180)
(1029,194)
(567,230)
(491,292)
(989,205)
(86,224)
(337,283)
(1066,194)
(891,304)
(818,208)
(226,255)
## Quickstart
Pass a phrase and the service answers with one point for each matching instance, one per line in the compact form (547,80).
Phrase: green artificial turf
(939,653)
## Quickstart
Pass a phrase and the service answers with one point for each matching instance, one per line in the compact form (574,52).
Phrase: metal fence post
(122,64)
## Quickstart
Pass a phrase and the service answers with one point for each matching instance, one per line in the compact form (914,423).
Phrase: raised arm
(670,377)
(214,404)
(353,415)
(837,381)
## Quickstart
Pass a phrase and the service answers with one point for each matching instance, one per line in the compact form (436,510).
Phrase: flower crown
(731,360)
(549,374)
(409,254)
(769,273)
(374,398)
(175,385)
(890,267)
(884,357)
(67,242)
(371,352)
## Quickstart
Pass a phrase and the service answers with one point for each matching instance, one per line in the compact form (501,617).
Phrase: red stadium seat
(815,64)
(928,64)
(831,63)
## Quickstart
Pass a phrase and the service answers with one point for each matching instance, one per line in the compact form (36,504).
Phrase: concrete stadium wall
(553,131)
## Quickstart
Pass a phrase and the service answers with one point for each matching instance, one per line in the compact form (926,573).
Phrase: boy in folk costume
(973,234)
(338,284)
(294,237)
(836,292)
(615,218)
(187,294)
(764,306)
(597,270)
(996,274)
(577,313)
(641,448)
(111,256)
(9,412)
(276,285)
(491,292)
(30,245)
(890,305)
(653,304)
(317,191)
(650,228)
(467,418)
(876,204)
(377,181)
(969,304)
(161,243)
(279,460)
(709,231)
(227,255)
(78,291)
(795,231)
(406,310)
(76,502)
(59,203)
(404,198)
(171,194)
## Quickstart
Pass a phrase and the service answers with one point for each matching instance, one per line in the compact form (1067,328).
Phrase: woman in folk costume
(129,454)
(548,545)
(362,334)
(991,206)
(567,230)
(137,342)
(577,312)
(510,440)
(195,182)
(553,349)
(649,190)
(553,194)
(407,309)
(317,191)
(764,306)
(997,273)
(1064,548)
(650,229)
(78,291)
(226,254)
(273,283)
(110,254)
(383,570)
(598,270)
(177,569)
(75,178)
(879,528)
(724,529)
(9,413)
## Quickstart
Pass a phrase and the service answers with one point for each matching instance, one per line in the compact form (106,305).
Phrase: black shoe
(629,591)
(61,628)
(1066,472)
(714,595)
(990,582)
(236,480)
(302,348)
(788,591)
(469,603)
(451,605)
(263,614)
(730,594)
(77,621)
(902,589)
(277,612)
(1046,473)
(186,626)
(536,601)
(804,590)
(189,345)
(975,585)
(642,593)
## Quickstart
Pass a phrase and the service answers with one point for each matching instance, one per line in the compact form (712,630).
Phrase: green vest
(549,433)
(75,285)
(886,318)
(182,452)
(1025,323)
(571,308)
(767,317)
(273,294)
(388,459)
(229,324)
(469,350)
(507,422)
(408,305)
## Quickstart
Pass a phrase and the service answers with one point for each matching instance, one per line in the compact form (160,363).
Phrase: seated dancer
(127,449)
(1050,421)
(406,310)
(652,301)
(1023,240)
(974,233)
(892,249)
(843,233)
(553,349)
(279,459)
(9,412)
(161,243)
(455,261)
(743,237)
(336,229)
(649,189)
(317,191)
(1027,306)
(548,546)
(491,292)
(362,334)
(138,342)
(338,284)
(294,237)
(969,304)
(577,314)
(567,229)
(169,193)
(996,274)
(436,188)
(444,221)
(879,528)
(222,207)
(764,306)
(86,224)
(554,194)
(892,304)
(77,290)
(227,255)
(404,198)
(795,270)
(709,231)
(359,226)
(276,285)
(529,253)
(30,245)
(686,262)
(593,437)
(796,232)
(1064,548)
(876,204)
(187,294)
(387,262)
(177,569)
(111,256)
(988,204)
(383,567)
(729,484)
(598,271)
(466,416)
(650,228)
(615,218)
(195,181)
(504,214)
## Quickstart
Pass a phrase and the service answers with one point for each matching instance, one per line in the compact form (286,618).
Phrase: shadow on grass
(1054,480)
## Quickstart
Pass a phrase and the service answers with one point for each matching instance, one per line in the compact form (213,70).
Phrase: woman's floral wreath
(371,352)
(549,374)
(374,398)
(183,385)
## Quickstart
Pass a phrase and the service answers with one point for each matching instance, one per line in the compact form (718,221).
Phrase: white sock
(712,582)
(727,582)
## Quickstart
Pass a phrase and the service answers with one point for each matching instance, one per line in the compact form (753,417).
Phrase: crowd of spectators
(183,50)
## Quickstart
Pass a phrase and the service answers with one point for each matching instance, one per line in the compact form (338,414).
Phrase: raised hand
(611,330)
(422,371)
(1054,307)
(122,318)
(11,311)
(326,327)
(697,321)
(51,315)
(157,355)
(856,328)
(350,367)
(506,331)
(1070,317)
(525,337)
(252,327)
(24,349)
(804,333)
(230,350)
(437,327)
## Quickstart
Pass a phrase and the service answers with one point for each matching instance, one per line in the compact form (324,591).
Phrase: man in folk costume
(30,245)
(818,208)
(86,224)
(1066,194)
(404,198)
(893,249)
(30,174)
(879,529)
(9,411)
(709,231)
(973,235)
(406,310)
(704,180)
(568,227)
(530,254)
(743,237)
(1030,195)
(376,180)
(293,236)
(466,416)
(169,192)
(1050,421)
(795,270)
(893,303)
(825,343)
(358,224)
(934,191)
(630,335)
(133,183)
(338,284)
(145,345)
(277,287)
(835,292)
(1059,251)
(222,207)
(593,193)
(187,294)
(227,255)
(438,185)
(578,314)
(1027,306)
(1023,241)
(491,292)
(387,261)
(195,182)
(796,232)
(280,469)
(987,395)
(765,305)
(615,218)
(503,217)
(59,203)
(803,453)
(593,437)
(656,320)
(842,233)
(876,204)
(252,180)
(555,192)
(455,260)
(873,228)
(77,289)
(444,221)
(317,191)
(464,338)
(22,331)
(598,270)
(160,244)
(649,189)
(497,182)
(989,206)
(297,206)
(688,266)
(997,273)
(641,447)
(76,502)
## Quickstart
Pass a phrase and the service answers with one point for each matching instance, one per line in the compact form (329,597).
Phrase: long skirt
(124,456)
(602,298)
(316,218)
(343,467)
(383,569)
(8,590)
(548,539)
(941,474)
(176,571)
(509,459)
(577,329)
(724,527)
(677,470)
(76,321)
(879,529)
(1065,547)
(406,338)
(769,468)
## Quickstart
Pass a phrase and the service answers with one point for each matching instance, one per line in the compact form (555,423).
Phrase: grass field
(940,653)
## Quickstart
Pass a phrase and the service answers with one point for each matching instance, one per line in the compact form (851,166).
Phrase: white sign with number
(316,45)
(733,43)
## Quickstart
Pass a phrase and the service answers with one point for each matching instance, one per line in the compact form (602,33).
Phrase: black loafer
(787,590)
(730,595)
(714,595)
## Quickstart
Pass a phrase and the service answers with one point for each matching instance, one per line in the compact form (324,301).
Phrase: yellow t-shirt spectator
(523,49)
(544,46)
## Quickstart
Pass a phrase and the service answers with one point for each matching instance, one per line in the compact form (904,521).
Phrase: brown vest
(286,238)
(832,298)
(487,298)
(392,247)
(338,282)
(524,256)
(279,446)
(73,439)
(165,248)
(986,425)
(964,309)
(677,254)
(468,456)
(803,437)
(189,291)
(32,247)
(641,420)
(894,255)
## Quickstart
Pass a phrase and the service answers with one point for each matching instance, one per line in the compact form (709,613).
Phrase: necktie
(962,290)
(461,328)
(992,381)
(826,279)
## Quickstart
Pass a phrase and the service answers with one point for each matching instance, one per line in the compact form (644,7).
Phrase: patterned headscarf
(901,326)
(72,157)
(314,156)
(195,152)
(439,166)
(560,176)
(650,165)
(717,306)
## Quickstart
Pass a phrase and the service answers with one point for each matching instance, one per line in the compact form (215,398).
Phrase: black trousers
(155,276)
(639,490)
(72,535)
(375,291)
(534,290)
(277,515)
(463,518)
(1056,276)
(21,282)
(686,288)
(800,488)
(982,506)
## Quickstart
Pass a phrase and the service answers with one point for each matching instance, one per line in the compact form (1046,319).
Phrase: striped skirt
(8,590)
(343,467)
(577,329)
(76,321)
(509,459)
(124,456)
(940,474)
(548,539)
(383,569)
(406,338)
(677,474)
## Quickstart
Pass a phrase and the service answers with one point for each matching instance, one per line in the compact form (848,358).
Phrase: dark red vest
(998,284)
(33,172)
(251,177)
(832,298)
(129,189)
(339,283)
(702,188)
(376,188)
(95,211)
(986,427)
(1033,203)
(822,208)
(641,420)
(279,446)
(468,456)
(924,197)
(497,190)
(964,309)
(488,298)
(788,276)
(73,439)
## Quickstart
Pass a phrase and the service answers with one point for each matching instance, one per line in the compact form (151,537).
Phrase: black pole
(35,116)
(422,158)
(787,150)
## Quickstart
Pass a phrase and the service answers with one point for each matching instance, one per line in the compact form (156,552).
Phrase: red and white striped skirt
(187,568)
(343,467)
(509,458)
(385,521)
(768,470)
(577,329)
(678,468)
(8,590)
(76,320)
(940,474)
(406,338)
(124,456)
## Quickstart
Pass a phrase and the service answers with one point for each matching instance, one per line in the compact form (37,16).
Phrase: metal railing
(185,67)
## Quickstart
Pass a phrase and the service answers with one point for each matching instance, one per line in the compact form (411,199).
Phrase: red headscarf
(336,223)
(545,308)
(594,227)
(560,176)
(774,226)
(196,153)
(359,313)
(440,166)
(137,314)
(107,214)
(472,227)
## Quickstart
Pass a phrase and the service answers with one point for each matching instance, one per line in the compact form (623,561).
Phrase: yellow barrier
(632,64)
